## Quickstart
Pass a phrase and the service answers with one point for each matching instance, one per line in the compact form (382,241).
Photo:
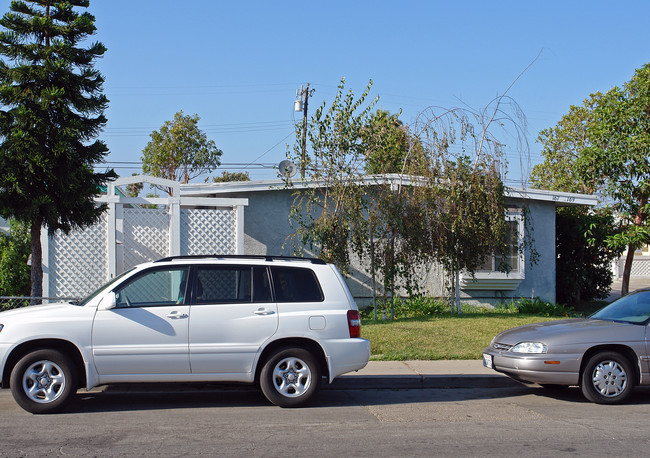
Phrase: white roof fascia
(561,199)
(202,189)
(198,189)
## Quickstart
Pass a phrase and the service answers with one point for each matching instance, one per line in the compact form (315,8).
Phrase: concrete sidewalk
(376,375)
(422,374)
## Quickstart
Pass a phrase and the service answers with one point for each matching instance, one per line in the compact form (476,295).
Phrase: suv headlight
(529,347)
(1,326)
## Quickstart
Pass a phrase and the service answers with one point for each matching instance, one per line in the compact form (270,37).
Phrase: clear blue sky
(238,64)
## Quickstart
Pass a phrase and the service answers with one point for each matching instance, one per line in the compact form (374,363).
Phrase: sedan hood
(578,330)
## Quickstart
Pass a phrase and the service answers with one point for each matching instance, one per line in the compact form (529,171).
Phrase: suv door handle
(176,315)
(263,311)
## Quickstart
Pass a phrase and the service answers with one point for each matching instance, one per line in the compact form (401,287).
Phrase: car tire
(607,378)
(43,381)
(290,377)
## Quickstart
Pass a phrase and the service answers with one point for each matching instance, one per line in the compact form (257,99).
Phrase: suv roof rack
(243,256)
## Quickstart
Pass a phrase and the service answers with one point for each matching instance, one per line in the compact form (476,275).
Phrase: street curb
(345,382)
(375,382)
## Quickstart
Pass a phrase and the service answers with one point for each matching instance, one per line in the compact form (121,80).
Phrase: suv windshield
(633,308)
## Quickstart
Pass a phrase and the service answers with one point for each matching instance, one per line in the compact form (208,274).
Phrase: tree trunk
(625,286)
(37,264)
(372,270)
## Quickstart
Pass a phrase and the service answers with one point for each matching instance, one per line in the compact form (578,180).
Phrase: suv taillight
(354,323)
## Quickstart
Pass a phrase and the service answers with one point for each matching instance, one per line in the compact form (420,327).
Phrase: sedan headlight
(1,326)
(529,347)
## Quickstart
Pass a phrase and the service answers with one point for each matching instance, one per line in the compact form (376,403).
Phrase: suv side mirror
(109,301)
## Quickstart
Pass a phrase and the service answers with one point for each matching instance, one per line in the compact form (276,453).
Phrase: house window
(489,276)
(511,259)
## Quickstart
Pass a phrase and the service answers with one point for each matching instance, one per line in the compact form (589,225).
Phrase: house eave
(560,199)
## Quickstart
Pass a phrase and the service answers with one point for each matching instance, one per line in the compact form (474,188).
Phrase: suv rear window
(293,284)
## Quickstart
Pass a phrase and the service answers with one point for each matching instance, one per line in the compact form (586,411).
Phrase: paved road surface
(418,422)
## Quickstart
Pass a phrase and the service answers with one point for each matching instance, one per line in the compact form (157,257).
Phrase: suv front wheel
(43,381)
(290,377)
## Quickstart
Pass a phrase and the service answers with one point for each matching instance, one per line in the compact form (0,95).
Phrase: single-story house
(267,230)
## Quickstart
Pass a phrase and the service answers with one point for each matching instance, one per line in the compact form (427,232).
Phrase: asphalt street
(506,421)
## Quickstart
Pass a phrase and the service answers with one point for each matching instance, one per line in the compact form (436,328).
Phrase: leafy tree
(14,252)
(231,176)
(562,146)
(330,215)
(443,206)
(617,160)
(52,108)
(603,147)
(180,151)
(583,269)
(388,143)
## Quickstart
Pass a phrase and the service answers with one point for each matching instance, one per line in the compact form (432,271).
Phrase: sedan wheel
(43,381)
(290,377)
(608,378)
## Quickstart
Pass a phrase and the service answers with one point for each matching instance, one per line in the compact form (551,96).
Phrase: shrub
(419,306)
(535,306)
(409,307)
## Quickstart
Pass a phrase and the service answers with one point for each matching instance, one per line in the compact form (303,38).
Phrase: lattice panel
(146,235)
(208,231)
(640,267)
(78,262)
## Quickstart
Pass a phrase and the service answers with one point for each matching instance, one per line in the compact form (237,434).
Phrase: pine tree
(52,109)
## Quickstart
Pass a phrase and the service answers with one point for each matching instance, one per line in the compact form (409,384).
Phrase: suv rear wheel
(43,381)
(290,377)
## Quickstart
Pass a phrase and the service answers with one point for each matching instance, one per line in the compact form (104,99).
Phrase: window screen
(293,284)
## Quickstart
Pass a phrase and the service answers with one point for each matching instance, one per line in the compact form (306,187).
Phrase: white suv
(282,322)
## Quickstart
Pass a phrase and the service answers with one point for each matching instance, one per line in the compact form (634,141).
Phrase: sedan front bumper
(536,368)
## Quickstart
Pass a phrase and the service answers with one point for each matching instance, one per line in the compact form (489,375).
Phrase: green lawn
(438,337)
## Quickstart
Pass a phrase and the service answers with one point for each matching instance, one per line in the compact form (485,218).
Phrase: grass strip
(438,337)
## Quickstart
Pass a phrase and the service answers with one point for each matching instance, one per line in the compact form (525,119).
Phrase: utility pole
(303,102)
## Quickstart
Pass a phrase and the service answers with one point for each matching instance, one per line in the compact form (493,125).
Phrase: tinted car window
(231,284)
(154,287)
(293,284)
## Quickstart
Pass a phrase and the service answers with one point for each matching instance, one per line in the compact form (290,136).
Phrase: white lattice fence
(77,262)
(640,266)
(146,235)
(128,234)
(207,231)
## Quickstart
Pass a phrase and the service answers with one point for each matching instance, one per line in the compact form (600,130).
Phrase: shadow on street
(227,397)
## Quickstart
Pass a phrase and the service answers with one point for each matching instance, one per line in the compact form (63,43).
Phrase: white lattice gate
(128,234)
(145,235)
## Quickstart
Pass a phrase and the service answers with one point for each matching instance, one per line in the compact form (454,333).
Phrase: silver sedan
(605,354)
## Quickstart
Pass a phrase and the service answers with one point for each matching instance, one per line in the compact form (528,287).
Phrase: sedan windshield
(633,308)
